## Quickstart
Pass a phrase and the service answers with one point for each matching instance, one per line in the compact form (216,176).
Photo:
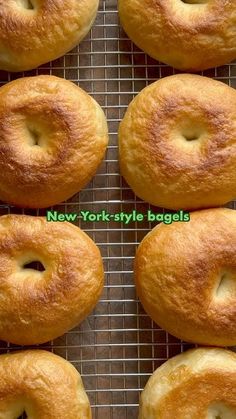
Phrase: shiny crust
(185,275)
(43,385)
(177,143)
(199,383)
(189,37)
(30,37)
(71,132)
(36,307)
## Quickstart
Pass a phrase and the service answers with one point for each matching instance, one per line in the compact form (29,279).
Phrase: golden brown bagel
(53,136)
(178,143)
(36,307)
(33,32)
(185,275)
(43,385)
(200,383)
(190,35)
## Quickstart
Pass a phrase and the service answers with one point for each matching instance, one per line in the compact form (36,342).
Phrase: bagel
(185,274)
(43,385)
(38,304)
(33,32)
(177,143)
(199,383)
(53,136)
(190,35)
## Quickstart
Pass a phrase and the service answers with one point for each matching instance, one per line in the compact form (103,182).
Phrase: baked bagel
(190,35)
(40,304)
(178,143)
(33,32)
(53,136)
(185,275)
(200,383)
(43,385)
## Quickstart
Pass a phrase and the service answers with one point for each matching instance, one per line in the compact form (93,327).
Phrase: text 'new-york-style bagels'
(40,304)
(177,143)
(33,32)
(53,136)
(185,274)
(190,35)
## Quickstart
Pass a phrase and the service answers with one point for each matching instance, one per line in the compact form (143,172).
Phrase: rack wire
(117,347)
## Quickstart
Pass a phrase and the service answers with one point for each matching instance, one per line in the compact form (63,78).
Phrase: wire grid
(117,347)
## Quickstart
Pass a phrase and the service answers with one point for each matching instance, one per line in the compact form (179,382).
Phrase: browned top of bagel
(177,143)
(185,275)
(53,136)
(33,32)
(196,384)
(42,385)
(35,306)
(186,34)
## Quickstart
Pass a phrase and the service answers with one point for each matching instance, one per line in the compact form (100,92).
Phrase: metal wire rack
(117,347)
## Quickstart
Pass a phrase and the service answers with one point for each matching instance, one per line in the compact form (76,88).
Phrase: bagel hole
(26,4)
(35,265)
(226,286)
(29,5)
(191,137)
(191,134)
(194,1)
(220,410)
(34,137)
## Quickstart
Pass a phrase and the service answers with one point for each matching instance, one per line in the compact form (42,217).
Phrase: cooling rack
(117,347)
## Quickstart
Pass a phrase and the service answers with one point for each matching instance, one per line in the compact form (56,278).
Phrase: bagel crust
(38,306)
(199,383)
(43,385)
(177,143)
(33,32)
(53,136)
(185,274)
(190,35)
